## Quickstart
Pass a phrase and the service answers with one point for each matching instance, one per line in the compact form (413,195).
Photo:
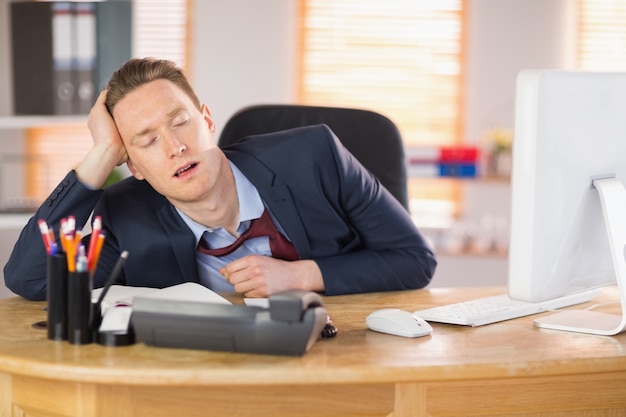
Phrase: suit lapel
(281,205)
(182,240)
(276,196)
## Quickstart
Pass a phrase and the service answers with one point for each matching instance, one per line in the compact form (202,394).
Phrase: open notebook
(116,306)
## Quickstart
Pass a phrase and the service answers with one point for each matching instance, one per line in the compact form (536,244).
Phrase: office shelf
(25,122)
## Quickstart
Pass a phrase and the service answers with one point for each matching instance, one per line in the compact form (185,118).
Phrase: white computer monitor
(569,164)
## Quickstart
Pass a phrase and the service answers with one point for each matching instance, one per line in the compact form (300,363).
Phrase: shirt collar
(250,204)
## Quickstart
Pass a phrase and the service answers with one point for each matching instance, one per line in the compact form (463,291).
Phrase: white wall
(243,53)
(506,36)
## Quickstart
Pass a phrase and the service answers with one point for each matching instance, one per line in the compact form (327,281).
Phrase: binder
(41,38)
(454,153)
(114,38)
(458,169)
(84,62)
(443,169)
(63,53)
(443,161)
(459,154)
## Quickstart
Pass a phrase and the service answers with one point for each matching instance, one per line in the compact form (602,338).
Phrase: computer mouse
(397,322)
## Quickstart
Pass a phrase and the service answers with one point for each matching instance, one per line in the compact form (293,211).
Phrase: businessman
(192,211)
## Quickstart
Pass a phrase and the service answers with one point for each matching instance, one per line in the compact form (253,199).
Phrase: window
(602,40)
(160,30)
(402,58)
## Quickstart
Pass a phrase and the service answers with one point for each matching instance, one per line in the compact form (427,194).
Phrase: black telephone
(290,326)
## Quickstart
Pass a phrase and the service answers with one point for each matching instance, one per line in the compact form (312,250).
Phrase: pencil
(77,238)
(95,233)
(45,234)
(93,261)
(63,231)
(70,250)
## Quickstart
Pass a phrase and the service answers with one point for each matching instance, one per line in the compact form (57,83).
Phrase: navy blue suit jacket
(332,209)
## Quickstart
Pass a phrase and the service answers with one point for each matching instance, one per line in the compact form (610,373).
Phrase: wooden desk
(505,369)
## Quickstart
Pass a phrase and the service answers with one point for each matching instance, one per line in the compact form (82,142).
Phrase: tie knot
(263,226)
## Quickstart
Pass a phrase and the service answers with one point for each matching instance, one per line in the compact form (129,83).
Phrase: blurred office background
(457,58)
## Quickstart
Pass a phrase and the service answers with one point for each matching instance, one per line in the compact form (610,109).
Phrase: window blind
(602,35)
(160,29)
(399,57)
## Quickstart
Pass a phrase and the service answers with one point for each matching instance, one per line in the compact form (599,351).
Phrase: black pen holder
(56,294)
(80,311)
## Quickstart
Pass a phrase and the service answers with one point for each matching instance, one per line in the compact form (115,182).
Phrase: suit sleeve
(25,271)
(389,252)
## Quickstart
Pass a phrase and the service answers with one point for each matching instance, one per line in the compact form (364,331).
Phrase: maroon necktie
(263,226)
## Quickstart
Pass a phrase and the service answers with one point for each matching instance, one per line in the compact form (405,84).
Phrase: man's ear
(208,117)
(134,171)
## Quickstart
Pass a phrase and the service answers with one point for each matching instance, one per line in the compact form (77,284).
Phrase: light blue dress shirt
(250,207)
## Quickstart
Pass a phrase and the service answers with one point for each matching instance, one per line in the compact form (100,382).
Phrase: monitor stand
(613,200)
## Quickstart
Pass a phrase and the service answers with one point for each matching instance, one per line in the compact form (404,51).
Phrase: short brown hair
(139,71)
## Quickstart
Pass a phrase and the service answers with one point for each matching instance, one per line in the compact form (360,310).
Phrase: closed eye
(148,141)
(180,122)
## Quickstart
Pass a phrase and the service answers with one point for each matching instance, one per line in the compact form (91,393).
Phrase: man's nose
(176,147)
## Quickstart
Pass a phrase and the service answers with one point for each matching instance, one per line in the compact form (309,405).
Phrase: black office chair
(371,137)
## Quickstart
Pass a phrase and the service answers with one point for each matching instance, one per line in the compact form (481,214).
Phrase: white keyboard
(487,310)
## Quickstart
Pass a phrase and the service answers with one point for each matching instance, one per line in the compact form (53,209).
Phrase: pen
(114,274)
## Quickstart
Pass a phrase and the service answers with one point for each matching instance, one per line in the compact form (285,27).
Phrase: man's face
(169,141)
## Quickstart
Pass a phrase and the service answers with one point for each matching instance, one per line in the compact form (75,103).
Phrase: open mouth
(185,169)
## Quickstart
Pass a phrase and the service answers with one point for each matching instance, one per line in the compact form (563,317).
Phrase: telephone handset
(291,305)
(290,326)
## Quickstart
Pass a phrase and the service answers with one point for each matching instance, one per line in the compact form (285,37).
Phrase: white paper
(121,295)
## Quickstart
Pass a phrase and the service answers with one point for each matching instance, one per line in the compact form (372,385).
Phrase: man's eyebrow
(175,111)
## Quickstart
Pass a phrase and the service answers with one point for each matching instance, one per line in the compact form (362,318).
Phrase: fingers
(99,105)
(102,97)
(250,275)
(104,130)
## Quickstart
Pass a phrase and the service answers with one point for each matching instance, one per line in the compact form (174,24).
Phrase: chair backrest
(372,138)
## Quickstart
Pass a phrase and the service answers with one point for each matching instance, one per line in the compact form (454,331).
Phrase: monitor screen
(570,130)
